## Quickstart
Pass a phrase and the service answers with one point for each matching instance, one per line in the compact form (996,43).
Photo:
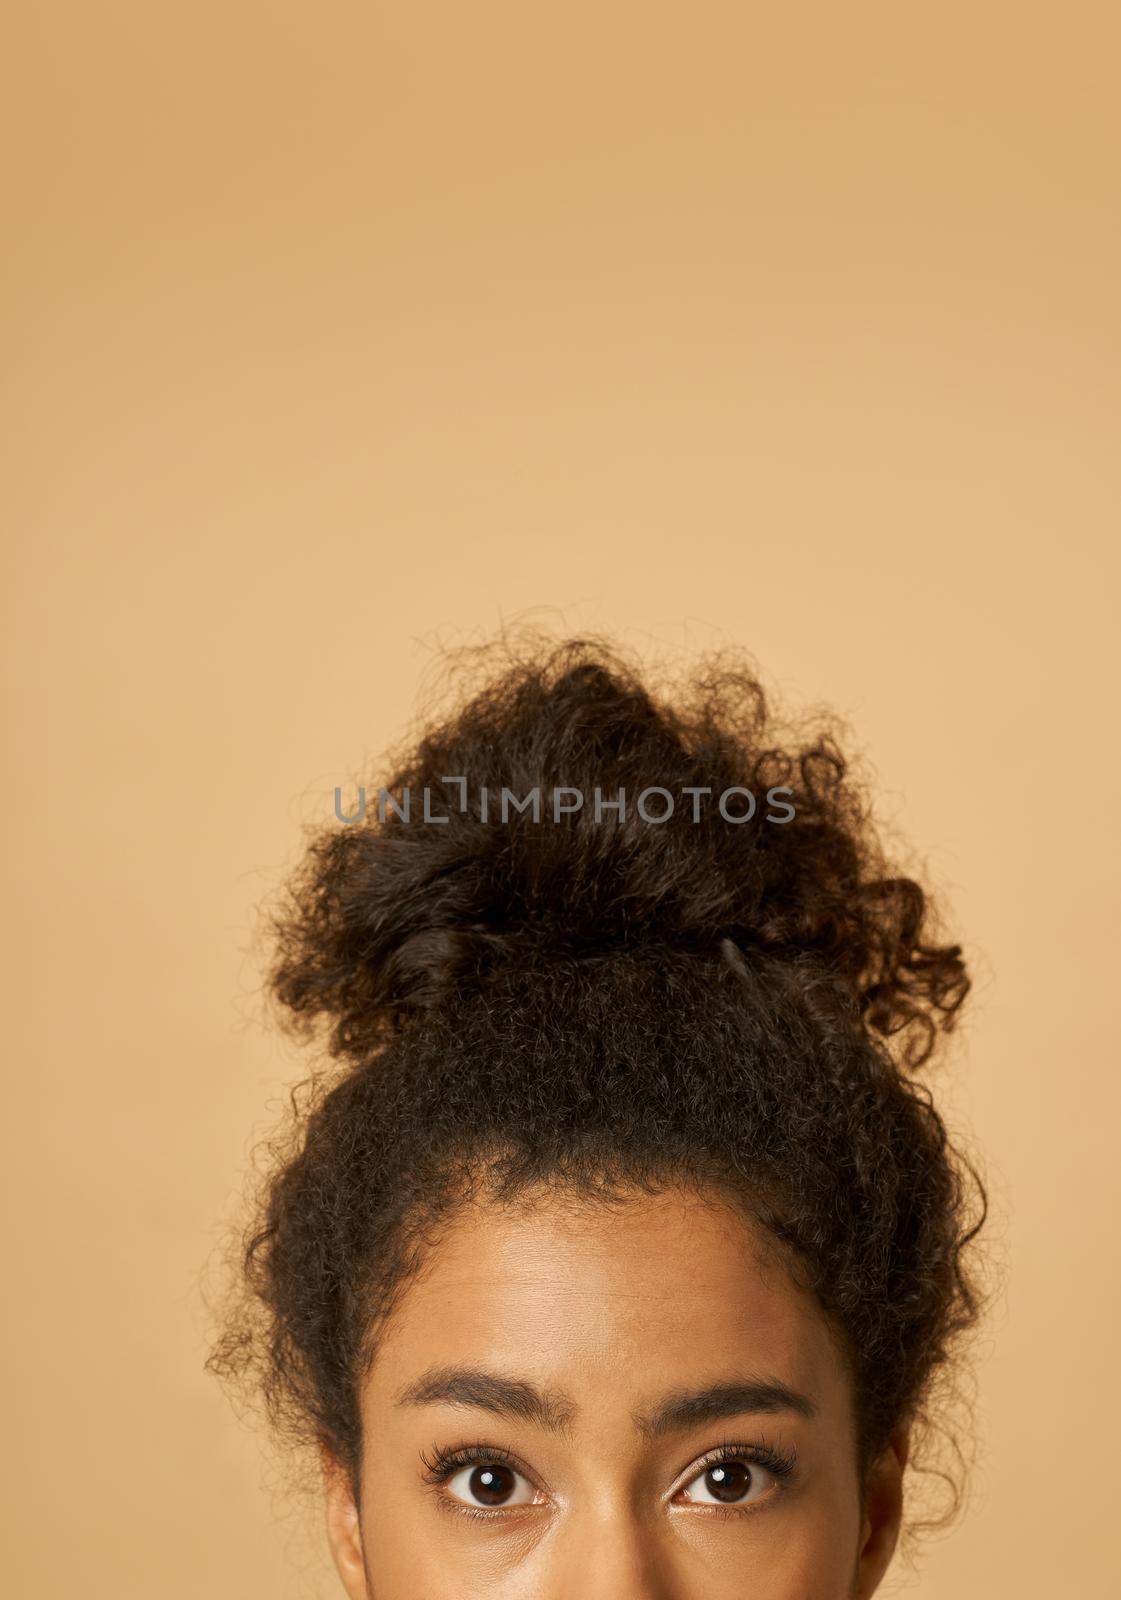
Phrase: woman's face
(589,1403)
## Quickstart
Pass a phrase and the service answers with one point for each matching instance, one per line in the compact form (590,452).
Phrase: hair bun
(400,911)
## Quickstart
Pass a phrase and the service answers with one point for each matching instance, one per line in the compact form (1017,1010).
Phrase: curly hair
(597,999)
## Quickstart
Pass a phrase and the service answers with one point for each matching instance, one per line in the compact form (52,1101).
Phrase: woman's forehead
(652,1294)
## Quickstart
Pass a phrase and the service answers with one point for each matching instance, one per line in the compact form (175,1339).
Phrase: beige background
(336,332)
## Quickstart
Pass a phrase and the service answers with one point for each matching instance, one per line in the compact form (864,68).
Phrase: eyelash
(443,1464)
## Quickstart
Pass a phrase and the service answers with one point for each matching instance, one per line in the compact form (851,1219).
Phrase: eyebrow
(691,1407)
(522,1401)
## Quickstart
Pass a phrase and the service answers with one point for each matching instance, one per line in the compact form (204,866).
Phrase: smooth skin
(594,1361)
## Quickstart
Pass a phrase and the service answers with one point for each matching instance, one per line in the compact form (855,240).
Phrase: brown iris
(728,1481)
(491,1484)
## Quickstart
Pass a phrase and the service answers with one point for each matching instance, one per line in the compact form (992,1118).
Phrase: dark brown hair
(610,1003)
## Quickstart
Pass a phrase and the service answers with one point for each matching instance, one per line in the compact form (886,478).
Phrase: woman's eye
(728,1483)
(490,1483)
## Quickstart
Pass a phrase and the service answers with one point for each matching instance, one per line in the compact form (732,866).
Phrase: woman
(623,1254)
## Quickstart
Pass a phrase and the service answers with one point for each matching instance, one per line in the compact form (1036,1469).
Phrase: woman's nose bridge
(612,1552)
